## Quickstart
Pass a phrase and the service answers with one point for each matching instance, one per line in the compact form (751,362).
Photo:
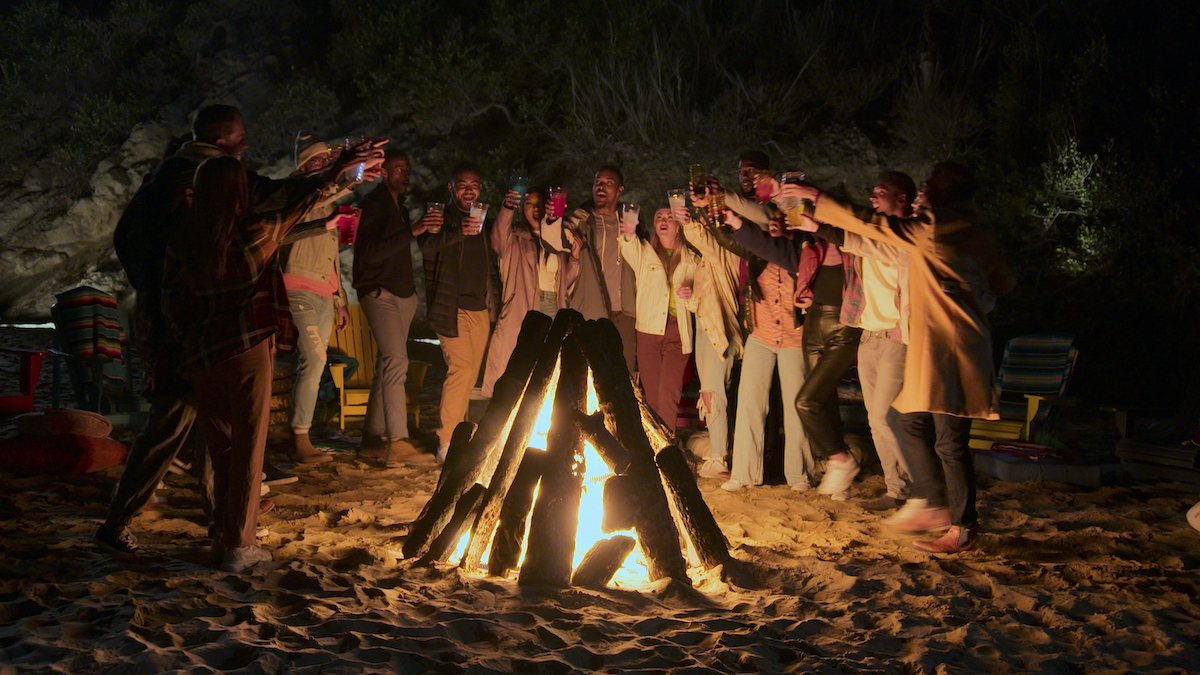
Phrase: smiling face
(666,228)
(465,188)
(606,190)
(889,200)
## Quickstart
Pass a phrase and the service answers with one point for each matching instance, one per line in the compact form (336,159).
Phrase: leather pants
(830,348)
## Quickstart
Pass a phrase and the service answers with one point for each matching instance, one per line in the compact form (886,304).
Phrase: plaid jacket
(218,318)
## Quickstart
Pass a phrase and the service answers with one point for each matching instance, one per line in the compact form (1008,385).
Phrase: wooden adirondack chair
(1035,369)
(358,342)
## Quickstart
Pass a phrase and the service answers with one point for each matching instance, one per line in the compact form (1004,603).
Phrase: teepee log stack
(491,475)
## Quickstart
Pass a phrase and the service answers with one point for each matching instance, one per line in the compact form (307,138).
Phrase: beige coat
(652,289)
(715,291)
(955,268)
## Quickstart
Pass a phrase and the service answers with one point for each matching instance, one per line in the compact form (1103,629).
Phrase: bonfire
(566,440)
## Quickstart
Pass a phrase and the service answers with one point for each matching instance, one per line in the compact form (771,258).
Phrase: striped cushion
(1036,364)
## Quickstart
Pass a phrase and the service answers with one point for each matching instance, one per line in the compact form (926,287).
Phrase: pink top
(295,282)
(774,322)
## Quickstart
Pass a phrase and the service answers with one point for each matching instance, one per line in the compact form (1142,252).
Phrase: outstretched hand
(800,190)
(732,219)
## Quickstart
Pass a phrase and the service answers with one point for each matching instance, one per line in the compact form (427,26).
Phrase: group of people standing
(227,262)
(776,275)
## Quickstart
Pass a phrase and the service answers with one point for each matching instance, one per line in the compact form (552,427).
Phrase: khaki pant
(464,356)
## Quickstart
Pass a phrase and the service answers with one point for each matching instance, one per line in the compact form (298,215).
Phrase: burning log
(656,530)
(521,431)
(659,432)
(697,519)
(613,453)
(602,561)
(464,513)
(555,519)
(618,504)
(474,450)
(510,530)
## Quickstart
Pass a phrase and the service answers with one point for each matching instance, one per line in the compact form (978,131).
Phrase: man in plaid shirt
(223,294)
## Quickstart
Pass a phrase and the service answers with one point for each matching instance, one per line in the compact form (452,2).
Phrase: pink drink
(558,203)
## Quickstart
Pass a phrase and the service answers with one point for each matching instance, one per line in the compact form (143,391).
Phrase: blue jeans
(313,315)
(754,400)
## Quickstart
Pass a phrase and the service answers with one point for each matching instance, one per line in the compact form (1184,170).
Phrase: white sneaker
(713,468)
(802,486)
(732,485)
(838,476)
(242,558)
(843,496)
(441,453)
(263,489)
(1193,516)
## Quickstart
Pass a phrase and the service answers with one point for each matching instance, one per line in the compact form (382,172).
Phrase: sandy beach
(1065,580)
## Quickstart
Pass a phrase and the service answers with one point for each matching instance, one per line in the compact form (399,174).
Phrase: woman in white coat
(664,267)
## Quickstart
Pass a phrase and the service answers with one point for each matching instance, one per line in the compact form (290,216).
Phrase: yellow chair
(1035,370)
(358,342)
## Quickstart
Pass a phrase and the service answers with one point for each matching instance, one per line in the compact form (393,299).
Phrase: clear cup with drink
(478,213)
(792,207)
(431,209)
(629,219)
(677,199)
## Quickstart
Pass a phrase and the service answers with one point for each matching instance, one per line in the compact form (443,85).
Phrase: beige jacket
(316,257)
(716,291)
(652,289)
(955,268)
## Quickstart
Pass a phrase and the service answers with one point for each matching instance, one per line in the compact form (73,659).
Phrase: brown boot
(402,453)
(956,540)
(303,451)
(372,448)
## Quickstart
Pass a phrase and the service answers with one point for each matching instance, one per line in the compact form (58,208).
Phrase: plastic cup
(348,227)
(558,202)
(435,207)
(478,211)
(676,198)
(519,182)
(629,216)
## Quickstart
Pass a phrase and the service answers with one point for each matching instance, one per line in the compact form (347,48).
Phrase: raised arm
(779,250)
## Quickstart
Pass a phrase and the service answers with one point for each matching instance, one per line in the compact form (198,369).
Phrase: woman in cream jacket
(664,267)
